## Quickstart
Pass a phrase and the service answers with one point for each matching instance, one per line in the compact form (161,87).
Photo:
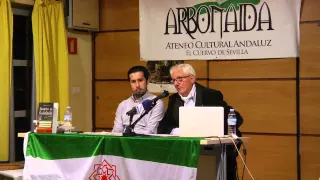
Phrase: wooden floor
(11,166)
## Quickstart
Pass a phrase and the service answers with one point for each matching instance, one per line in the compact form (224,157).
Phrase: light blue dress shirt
(148,124)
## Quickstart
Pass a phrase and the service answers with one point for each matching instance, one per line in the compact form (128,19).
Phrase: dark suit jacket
(204,97)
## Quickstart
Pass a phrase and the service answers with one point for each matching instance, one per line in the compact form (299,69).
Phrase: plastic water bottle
(232,121)
(68,115)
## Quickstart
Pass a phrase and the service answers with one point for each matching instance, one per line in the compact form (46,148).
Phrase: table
(66,156)
(15,174)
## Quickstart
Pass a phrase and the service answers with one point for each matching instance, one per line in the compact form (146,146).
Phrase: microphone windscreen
(133,111)
(147,105)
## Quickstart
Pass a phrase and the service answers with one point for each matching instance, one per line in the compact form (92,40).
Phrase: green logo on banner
(224,4)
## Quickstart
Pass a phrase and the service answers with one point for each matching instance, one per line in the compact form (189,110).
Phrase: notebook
(201,121)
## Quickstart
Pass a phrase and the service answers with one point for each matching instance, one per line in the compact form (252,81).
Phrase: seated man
(138,78)
(190,93)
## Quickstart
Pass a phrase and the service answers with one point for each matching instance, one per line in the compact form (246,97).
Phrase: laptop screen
(201,121)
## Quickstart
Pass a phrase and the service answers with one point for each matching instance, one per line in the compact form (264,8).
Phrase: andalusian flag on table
(99,157)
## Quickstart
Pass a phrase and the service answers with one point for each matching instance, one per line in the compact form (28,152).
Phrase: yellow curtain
(6,30)
(50,52)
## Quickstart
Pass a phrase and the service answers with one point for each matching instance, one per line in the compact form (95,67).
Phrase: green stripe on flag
(170,150)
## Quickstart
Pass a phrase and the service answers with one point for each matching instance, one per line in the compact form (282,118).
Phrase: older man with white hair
(191,93)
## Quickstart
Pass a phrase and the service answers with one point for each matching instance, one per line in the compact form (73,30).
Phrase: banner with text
(219,29)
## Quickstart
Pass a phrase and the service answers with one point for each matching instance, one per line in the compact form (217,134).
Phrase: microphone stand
(131,117)
(129,130)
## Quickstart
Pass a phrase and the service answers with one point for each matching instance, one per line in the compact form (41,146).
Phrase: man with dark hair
(189,93)
(139,69)
(138,78)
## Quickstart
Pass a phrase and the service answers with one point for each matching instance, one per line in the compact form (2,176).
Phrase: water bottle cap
(231,110)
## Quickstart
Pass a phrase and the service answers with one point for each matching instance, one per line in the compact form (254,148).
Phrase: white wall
(80,78)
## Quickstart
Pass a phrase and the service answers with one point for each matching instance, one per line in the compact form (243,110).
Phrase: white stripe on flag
(118,167)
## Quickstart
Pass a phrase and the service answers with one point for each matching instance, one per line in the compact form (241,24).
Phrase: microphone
(147,104)
(137,109)
(132,111)
(144,108)
(162,95)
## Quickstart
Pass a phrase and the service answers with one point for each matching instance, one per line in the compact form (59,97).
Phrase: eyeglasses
(179,79)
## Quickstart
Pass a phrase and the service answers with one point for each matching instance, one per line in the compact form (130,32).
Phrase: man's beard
(139,94)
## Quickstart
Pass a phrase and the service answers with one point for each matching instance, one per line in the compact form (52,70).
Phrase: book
(47,117)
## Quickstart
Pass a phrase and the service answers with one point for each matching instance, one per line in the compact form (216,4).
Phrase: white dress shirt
(189,101)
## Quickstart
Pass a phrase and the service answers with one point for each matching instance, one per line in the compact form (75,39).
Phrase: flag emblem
(104,171)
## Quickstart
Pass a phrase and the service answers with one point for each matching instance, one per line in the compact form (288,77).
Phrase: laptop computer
(201,121)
